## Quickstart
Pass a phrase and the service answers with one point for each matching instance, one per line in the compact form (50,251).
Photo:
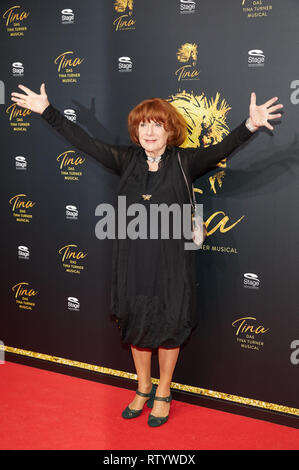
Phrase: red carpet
(46,410)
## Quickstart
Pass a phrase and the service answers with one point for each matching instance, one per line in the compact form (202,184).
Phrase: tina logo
(18,202)
(15,113)
(125,20)
(68,252)
(187,56)
(69,159)
(67,65)
(25,295)
(21,207)
(22,289)
(71,257)
(67,61)
(248,325)
(13,15)
(15,21)
(249,334)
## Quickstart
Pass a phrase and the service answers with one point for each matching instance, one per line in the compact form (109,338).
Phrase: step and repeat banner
(98,60)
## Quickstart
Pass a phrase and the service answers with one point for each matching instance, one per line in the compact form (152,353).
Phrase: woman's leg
(142,360)
(167,362)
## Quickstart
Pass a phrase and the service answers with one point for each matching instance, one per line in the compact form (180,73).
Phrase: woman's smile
(152,137)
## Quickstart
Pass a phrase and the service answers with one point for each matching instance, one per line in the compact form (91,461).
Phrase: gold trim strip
(174,385)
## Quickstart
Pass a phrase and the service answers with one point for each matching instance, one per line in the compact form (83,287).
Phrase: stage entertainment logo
(125,64)
(187,6)
(71,258)
(73,304)
(17,69)
(256,8)
(256,58)
(67,65)
(251,281)
(249,333)
(15,21)
(124,11)
(24,295)
(23,252)
(20,163)
(71,212)
(70,114)
(21,207)
(17,117)
(67,16)
(187,55)
(69,165)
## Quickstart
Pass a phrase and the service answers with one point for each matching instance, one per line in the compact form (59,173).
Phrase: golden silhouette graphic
(216,179)
(206,125)
(187,52)
(206,119)
(122,5)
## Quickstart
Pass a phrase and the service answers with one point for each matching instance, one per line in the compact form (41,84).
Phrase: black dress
(153,285)
(150,319)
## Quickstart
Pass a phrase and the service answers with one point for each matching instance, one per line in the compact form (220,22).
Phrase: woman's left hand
(259,115)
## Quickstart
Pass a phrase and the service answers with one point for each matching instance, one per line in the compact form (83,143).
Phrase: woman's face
(152,137)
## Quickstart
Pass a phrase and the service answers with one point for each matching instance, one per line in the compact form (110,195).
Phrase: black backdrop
(205,57)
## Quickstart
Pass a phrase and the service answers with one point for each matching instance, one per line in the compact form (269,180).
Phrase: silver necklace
(146,197)
(153,159)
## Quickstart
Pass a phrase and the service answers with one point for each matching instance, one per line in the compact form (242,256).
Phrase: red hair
(158,110)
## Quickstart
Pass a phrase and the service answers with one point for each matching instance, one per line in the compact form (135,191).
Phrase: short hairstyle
(158,110)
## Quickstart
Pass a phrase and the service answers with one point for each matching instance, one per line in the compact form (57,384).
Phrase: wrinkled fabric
(153,285)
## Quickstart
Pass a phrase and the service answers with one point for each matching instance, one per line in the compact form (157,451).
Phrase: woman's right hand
(30,100)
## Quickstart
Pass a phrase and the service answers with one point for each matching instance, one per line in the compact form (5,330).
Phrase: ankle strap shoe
(155,421)
(130,413)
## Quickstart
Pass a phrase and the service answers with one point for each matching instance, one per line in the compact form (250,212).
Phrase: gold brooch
(146,197)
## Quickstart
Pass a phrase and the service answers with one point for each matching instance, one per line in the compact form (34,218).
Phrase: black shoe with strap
(130,413)
(155,421)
